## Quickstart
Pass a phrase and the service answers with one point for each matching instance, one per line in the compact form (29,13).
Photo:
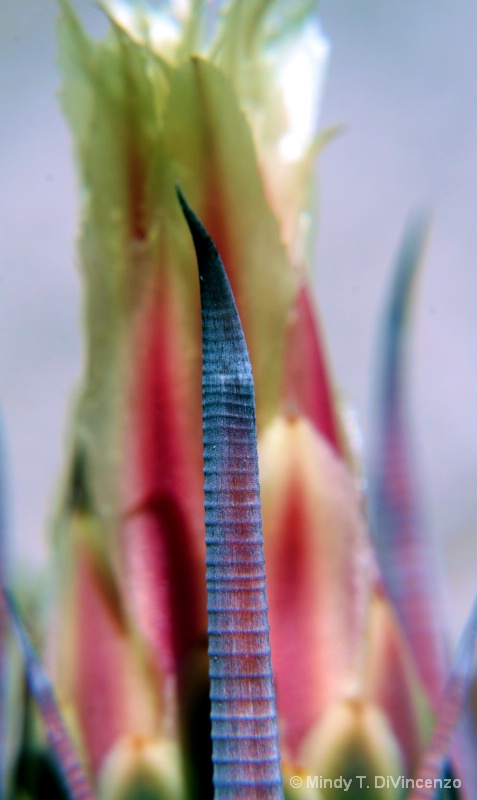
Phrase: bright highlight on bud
(353,739)
(301,74)
(161,29)
(142,768)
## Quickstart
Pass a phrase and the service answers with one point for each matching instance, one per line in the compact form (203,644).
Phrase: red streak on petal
(101,645)
(291,615)
(314,544)
(309,653)
(306,382)
(392,680)
(163,579)
(163,537)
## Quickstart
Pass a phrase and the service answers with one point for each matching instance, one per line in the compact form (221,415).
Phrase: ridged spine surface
(244,727)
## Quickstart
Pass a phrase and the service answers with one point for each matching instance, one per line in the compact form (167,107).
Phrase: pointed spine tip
(211,269)
(195,226)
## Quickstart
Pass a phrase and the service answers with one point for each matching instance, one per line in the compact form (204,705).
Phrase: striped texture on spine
(244,726)
(404,549)
(75,782)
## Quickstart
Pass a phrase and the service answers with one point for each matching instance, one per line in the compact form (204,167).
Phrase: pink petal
(317,557)
(307,388)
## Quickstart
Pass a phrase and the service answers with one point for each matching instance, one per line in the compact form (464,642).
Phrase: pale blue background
(403,77)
